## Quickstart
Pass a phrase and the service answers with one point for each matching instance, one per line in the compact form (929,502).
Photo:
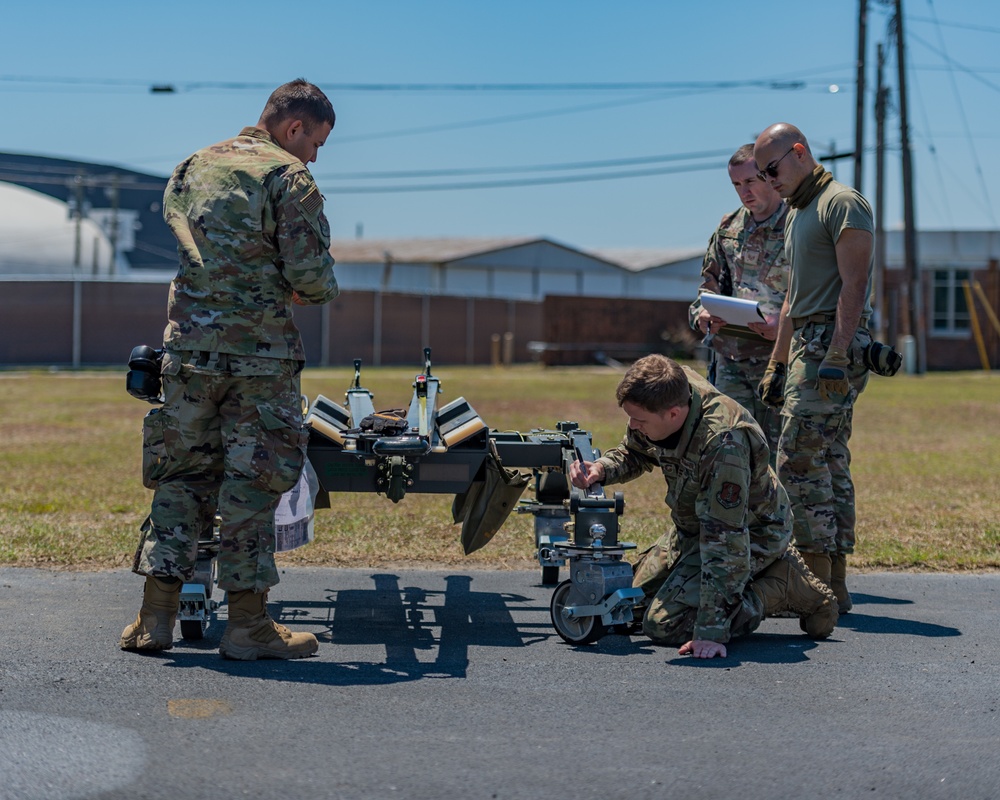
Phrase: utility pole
(859,106)
(884,327)
(910,233)
(78,199)
(115,193)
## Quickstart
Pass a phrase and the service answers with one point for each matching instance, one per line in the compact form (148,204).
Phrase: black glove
(386,423)
(882,359)
(772,386)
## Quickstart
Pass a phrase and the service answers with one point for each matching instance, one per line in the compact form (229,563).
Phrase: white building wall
(601,284)
(39,237)
(360,277)
(412,278)
(467,282)
(526,272)
(945,248)
(667,288)
(514,284)
(677,281)
(558,283)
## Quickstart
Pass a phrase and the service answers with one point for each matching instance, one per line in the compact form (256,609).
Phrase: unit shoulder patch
(729,495)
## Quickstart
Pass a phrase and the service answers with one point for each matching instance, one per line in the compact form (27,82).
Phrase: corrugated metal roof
(445,249)
(422,251)
(637,259)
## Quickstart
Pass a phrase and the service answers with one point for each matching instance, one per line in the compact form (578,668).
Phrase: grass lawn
(926,466)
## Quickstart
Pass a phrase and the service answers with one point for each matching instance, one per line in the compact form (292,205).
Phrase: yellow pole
(986,306)
(974,319)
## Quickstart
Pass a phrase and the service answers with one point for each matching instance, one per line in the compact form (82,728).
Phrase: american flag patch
(313,201)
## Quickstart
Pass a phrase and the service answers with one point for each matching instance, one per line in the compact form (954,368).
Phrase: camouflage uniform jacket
(250,230)
(746,259)
(720,489)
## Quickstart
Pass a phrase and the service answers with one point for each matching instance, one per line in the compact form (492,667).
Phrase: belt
(203,358)
(741,333)
(801,322)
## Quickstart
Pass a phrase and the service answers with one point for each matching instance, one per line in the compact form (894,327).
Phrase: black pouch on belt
(143,379)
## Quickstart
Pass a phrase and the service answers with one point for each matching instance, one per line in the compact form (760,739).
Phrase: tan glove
(832,376)
(772,386)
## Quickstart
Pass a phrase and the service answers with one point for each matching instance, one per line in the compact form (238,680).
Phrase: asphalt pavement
(455,685)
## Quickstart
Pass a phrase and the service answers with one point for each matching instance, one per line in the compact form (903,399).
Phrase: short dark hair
(654,383)
(742,156)
(298,99)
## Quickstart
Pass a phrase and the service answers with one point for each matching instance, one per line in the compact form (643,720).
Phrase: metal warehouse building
(82,288)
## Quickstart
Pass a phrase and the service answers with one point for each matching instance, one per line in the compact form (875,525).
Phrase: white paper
(734,310)
(293,517)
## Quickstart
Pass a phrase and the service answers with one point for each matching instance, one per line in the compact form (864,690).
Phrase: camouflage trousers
(814,461)
(670,575)
(228,440)
(739,380)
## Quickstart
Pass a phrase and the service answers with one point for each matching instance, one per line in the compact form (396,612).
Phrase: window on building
(949,311)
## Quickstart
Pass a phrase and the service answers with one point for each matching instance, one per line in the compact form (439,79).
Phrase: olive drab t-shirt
(811,235)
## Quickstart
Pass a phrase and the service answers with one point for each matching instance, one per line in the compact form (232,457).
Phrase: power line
(967,70)
(439,187)
(785,82)
(63,176)
(945,212)
(71,170)
(505,118)
(104,82)
(90,181)
(576,165)
(580,86)
(530,115)
(967,25)
(946,67)
(965,123)
(622,86)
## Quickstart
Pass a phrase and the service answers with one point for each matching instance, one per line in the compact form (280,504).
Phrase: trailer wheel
(583,630)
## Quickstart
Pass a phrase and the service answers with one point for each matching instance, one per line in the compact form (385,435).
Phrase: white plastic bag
(293,518)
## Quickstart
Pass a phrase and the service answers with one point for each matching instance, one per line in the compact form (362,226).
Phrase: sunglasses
(771,170)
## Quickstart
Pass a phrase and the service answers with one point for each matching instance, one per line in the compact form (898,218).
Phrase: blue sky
(116,50)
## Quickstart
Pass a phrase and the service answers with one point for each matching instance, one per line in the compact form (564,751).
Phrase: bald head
(782,135)
(783,157)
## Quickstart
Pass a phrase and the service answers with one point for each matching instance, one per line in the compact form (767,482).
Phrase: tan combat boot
(786,585)
(838,582)
(251,634)
(153,628)
(819,565)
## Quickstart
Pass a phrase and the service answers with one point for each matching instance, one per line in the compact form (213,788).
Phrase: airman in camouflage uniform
(229,439)
(746,259)
(822,335)
(725,563)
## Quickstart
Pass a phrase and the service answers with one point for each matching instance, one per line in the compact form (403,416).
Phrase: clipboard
(734,310)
